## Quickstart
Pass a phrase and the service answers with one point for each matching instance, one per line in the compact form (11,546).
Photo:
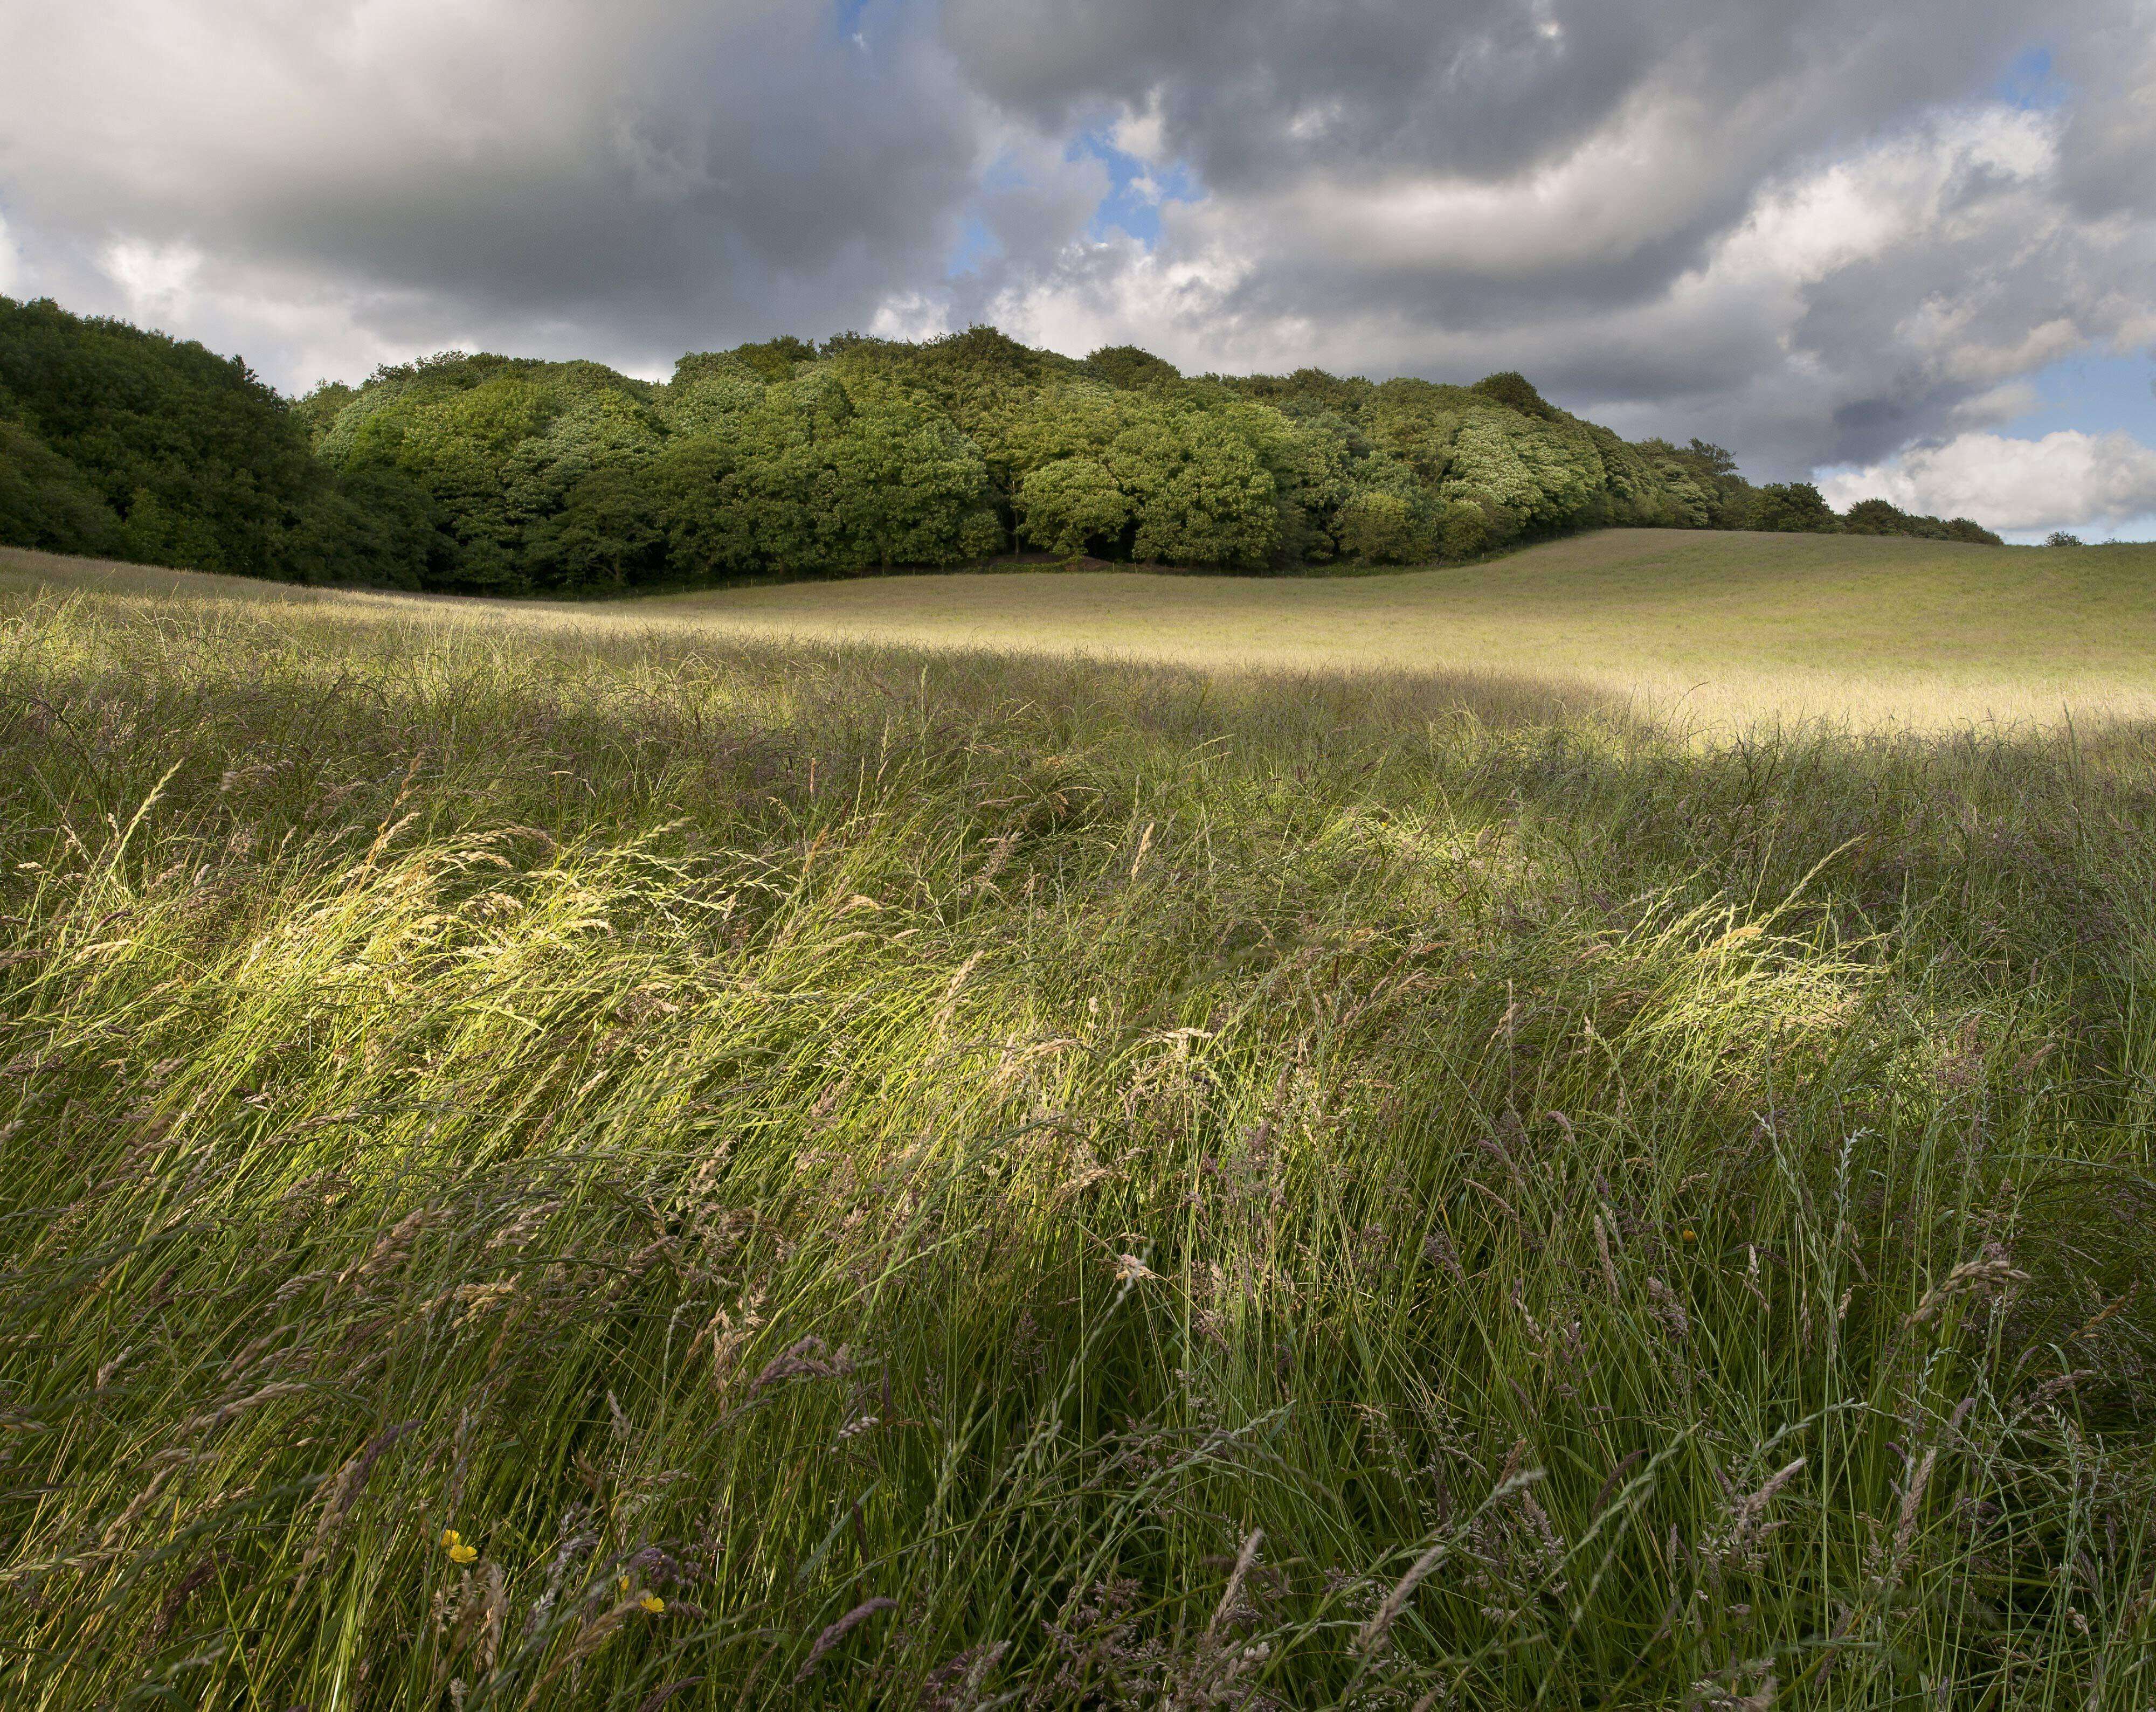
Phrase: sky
(1902,250)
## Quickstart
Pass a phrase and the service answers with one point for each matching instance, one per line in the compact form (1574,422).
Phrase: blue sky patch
(976,245)
(2032,82)
(1135,191)
(2095,393)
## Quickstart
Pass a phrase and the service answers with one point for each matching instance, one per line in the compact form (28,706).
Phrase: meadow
(1705,629)
(1049,1141)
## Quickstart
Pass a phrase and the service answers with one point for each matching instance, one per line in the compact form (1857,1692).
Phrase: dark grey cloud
(1249,90)
(2110,136)
(643,177)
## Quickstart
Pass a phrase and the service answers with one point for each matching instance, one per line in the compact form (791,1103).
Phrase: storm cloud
(1834,235)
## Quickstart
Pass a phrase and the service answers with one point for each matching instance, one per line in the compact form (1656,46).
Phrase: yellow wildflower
(654,1604)
(452,1542)
(1692,1235)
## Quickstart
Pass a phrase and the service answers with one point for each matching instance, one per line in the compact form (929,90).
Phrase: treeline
(128,444)
(504,475)
(1797,507)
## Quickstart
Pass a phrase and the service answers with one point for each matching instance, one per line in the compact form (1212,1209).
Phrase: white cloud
(1793,320)
(2065,480)
(911,316)
(155,280)
(1138,132)
(1901,191)
(2001,404)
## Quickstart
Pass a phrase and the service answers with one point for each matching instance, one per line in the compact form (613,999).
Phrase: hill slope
(1719,630)
(1726,626)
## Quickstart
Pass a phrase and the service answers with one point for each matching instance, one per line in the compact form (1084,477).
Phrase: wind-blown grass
(630,1170)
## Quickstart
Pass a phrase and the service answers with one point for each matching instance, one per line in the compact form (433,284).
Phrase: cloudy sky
(1905,247)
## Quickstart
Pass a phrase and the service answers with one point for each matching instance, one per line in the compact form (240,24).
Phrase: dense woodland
(501,476)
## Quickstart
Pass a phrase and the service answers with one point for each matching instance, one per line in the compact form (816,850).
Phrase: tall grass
(634,1172)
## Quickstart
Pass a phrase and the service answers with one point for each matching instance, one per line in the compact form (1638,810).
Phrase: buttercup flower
(452,1542)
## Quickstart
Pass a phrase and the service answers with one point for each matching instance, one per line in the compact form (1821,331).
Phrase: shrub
(1882,517)
(1072,506)
(983,536)
(1382,528)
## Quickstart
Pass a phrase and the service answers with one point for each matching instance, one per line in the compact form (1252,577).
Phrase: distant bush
(1880,517)
(1128,367)
(1795,507)
(2060,538)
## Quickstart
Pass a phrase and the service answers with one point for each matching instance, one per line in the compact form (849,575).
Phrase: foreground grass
(623,1169)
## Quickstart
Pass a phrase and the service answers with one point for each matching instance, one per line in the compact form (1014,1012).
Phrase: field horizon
(1720,631)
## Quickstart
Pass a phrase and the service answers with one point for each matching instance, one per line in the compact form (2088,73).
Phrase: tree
(1714,460)
(129,443)
(1382,528)
(1202,496)
(1512,391)
(46,502)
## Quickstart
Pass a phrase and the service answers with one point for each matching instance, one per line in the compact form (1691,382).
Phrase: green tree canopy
(785,458)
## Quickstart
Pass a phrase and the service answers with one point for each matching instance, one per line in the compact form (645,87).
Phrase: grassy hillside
(1712,630)
(1720,626)
(609,1164)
